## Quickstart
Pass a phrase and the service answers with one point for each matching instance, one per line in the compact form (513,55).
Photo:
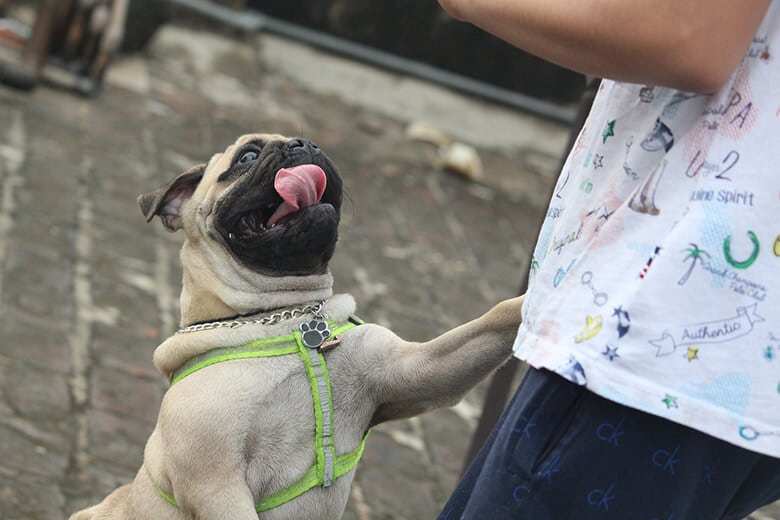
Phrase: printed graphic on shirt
(660,138)
(624,321)
(598,161)
(749,433)
(593,325)
(601,214)
(729,391)
(731,116)
(573,371)
(643,199)
(722,276)
(609,131)
(649,262)
(599,298)
(561,274)
(670,401)
(647,94)
(715,331)
(749,260)
(759,49)
(723,197)
(564,180)
(627,169)
(772,349)
(693,256)
(610,352)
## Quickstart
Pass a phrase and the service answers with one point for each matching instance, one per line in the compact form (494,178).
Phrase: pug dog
(242,435)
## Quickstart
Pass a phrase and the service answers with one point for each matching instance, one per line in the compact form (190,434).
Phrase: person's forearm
(691,44)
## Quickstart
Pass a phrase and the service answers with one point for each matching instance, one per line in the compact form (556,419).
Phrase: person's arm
(692,45)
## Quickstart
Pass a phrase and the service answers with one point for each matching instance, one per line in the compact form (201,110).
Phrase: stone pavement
(88,289)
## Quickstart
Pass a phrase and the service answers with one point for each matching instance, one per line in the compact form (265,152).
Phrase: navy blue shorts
(561,452)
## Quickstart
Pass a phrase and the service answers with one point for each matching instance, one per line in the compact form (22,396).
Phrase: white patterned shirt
(656,276)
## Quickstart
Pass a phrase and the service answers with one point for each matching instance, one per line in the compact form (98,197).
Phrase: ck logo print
(600,498)
(525,425)
(667,459)
(520,494)
(551,469)
(610,432)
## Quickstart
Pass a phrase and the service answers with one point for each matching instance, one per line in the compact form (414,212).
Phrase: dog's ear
(166,201)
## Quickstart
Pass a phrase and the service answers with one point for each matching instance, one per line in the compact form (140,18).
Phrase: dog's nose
(299,142)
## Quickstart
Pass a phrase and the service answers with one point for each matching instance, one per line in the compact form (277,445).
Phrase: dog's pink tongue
(300,187)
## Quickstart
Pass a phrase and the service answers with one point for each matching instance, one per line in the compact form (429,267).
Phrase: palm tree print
(694,255)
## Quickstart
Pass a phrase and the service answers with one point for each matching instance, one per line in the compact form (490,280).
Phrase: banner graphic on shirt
(716,331)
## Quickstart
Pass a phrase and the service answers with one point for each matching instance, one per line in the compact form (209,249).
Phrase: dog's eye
(247,156)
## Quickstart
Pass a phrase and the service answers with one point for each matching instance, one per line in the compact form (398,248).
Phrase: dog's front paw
(314,333)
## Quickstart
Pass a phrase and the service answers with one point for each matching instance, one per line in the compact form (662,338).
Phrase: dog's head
(260,223)
(271,201)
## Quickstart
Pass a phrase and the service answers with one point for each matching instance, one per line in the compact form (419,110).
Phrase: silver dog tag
(314,333)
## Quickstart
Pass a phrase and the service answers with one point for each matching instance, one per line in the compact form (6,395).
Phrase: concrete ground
(88,289)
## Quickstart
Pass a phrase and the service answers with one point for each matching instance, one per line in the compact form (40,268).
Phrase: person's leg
(462,493)
(760,488)
(539,405)
(562,452)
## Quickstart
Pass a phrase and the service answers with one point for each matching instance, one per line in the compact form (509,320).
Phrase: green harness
(309,342)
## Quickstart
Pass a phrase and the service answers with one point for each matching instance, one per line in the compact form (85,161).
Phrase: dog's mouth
(298,187)
(282,213)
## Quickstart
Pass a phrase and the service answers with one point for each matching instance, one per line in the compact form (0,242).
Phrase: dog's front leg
(410,378)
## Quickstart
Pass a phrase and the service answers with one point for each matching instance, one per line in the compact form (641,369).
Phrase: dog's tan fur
(237,431)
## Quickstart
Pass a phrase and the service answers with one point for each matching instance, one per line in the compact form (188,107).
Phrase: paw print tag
(314,333)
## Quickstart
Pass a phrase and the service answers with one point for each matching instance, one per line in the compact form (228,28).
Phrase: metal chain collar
(286,314)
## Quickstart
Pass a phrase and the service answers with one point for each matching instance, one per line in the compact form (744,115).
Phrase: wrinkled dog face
(272,202)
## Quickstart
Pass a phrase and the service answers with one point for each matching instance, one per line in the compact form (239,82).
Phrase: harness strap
(328,466)
(271,347)
(344,464)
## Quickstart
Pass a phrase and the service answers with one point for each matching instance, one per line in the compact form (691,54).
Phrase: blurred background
(448,140)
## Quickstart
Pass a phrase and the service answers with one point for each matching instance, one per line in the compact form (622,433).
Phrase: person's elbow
(699,64)
(701,80)
(454,8)
(703,76)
